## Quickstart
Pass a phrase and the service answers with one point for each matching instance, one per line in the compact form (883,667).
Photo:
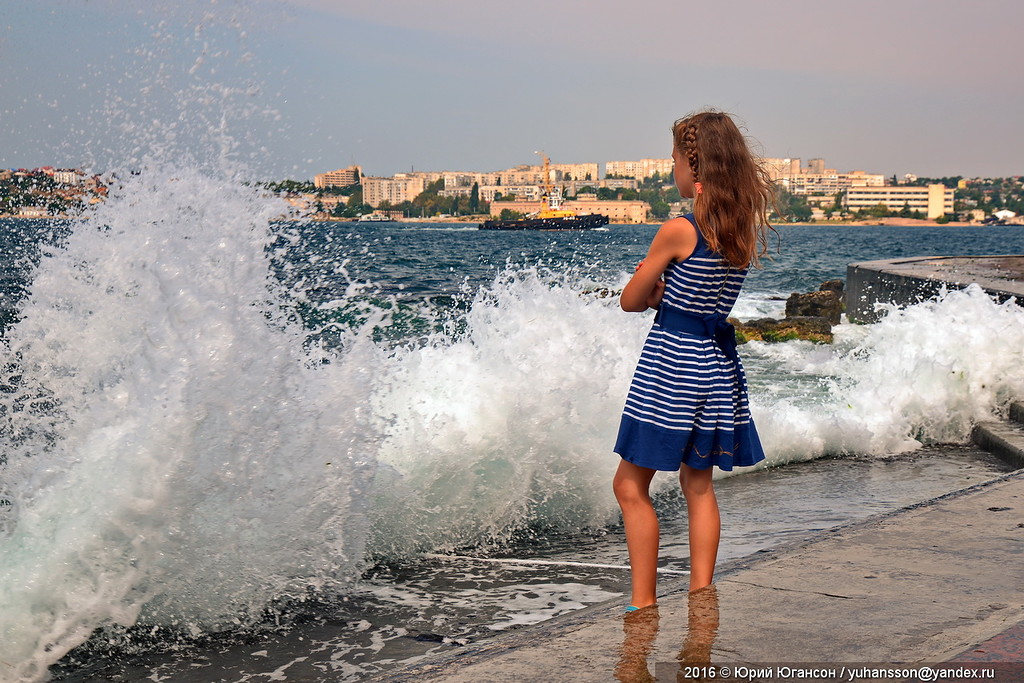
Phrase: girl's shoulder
(684,225)
(679,236)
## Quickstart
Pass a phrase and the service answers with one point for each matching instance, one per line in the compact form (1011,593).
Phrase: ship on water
(551,215)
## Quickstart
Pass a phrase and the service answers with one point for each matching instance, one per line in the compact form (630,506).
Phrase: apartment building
(644,168)
(402,187)
(68,177)
(779,168)
(815,179)
(567,172)
(343,177)
(525,193)
(933,201)
(830,182)
(466,179)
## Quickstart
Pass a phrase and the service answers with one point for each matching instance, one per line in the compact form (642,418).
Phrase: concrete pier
(939,583)
(909,281)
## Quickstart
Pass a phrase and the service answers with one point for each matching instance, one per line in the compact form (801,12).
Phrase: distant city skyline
(294,89)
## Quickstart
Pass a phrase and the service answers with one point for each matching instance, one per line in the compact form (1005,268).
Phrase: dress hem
(656,448)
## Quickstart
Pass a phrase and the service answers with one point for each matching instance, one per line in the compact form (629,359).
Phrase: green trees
(354,207)
(291,186)
(792,208)
(877,211)
(657,200)
(430,202)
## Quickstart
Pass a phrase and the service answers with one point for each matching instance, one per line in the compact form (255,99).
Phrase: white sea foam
(760,305)
(924,374)
(173,453)
(509,424)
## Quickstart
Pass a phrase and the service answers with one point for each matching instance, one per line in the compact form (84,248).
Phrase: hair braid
(690,148)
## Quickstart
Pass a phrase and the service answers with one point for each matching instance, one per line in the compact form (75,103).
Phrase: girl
(687,405)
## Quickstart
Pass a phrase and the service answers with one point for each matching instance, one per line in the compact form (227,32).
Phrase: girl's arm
(675,241)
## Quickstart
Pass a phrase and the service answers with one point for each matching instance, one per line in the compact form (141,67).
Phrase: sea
(240,446)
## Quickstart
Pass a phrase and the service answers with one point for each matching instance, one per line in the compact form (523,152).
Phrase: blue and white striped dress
(688,399)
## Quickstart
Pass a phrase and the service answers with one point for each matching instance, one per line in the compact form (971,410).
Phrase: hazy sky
(931,87)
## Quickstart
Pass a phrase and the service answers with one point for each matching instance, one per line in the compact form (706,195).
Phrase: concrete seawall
(908,281)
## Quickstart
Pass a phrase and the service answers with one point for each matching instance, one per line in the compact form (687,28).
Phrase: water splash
(509,424)
(924,374)
(174,453)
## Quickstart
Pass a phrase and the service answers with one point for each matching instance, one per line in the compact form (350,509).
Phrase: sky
(296,87)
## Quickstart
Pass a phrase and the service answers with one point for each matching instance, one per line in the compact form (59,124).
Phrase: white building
(641,169)
(933,201)
(781,168)
(829,182)
(67,177)
(402,187)
(343,177)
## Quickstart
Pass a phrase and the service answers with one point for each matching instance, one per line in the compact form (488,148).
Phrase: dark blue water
(423,259)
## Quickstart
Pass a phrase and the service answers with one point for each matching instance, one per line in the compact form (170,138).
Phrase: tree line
(659,192)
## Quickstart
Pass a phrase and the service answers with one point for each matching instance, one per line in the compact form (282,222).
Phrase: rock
(820,304)
(808,316)
(837,286)
(810,328)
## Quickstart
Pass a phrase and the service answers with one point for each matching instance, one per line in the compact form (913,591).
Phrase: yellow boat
(551,215)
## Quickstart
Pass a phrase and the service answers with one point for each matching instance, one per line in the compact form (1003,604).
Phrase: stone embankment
(908,281)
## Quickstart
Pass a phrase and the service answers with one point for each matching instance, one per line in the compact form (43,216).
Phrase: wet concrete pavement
(940,581)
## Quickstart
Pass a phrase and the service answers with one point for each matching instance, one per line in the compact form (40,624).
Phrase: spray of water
(174,454)
(509,424)
(924,374)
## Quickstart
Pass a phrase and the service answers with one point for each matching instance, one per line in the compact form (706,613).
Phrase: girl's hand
(638,265)
(654,298)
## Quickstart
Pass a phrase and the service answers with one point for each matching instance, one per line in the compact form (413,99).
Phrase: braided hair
(736,192)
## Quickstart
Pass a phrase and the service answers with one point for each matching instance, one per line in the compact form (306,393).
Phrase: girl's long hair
(736,194)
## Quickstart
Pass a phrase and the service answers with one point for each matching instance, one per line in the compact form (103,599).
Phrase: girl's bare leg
(632,490)
(705,524)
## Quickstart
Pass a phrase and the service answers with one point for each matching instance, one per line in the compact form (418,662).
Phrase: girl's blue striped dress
(688,399)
